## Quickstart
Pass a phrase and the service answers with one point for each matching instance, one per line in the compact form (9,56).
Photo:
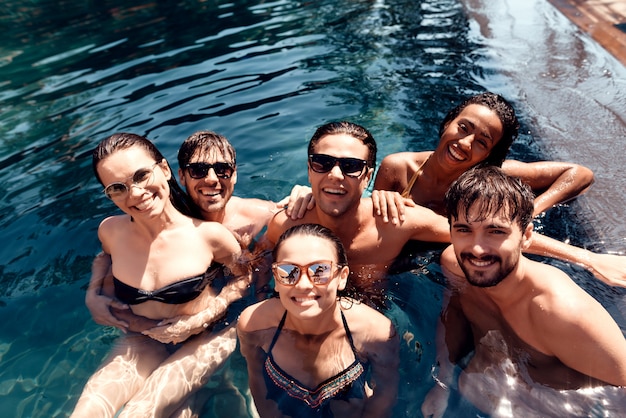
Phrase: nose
(336,170)
(479,247)
(466,141)
(136,190)
(304,282)
(210,175)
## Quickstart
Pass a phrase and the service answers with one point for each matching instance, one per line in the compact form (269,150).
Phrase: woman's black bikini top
(176,293)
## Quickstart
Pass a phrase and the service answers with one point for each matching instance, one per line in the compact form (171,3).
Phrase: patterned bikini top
(296,400)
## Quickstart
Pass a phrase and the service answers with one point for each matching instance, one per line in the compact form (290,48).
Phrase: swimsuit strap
(349,335)
(277,333)
(407,190)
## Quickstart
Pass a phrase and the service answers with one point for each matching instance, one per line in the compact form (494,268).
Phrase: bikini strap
(277,333)
(348,334)
(406,193)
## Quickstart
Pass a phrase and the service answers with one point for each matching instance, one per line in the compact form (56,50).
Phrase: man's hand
(100,308)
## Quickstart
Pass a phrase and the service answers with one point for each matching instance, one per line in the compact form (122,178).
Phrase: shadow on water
(265,74)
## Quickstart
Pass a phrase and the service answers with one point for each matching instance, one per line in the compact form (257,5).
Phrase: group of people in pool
(174,263)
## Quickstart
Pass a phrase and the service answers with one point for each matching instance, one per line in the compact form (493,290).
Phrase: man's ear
(527,236)
(181,178)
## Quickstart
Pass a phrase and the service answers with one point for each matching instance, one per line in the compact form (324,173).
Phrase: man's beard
(486,278)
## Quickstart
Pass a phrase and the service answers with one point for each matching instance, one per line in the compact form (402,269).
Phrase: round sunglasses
(201,170)
(322,163)
(289,274)
(142,178)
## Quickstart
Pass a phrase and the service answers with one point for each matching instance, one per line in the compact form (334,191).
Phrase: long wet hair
(346,128)
(506,114)
(319,231)
(123,141)
(493,192)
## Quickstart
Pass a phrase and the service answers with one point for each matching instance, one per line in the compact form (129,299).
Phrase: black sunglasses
(322,163)
(201,170)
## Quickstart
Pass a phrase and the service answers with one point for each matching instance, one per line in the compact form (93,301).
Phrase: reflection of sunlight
(504,408)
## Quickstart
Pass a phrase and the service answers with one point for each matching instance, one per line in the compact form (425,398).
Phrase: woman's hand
(390,204)
(609,268)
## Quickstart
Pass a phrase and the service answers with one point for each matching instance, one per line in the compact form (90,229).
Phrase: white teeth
(335,191)
(143,205)
(209,194)
(455,154)
(301,300)
(479,263)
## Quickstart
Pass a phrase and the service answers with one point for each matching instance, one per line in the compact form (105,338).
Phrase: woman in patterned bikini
(165,267)
(310,349)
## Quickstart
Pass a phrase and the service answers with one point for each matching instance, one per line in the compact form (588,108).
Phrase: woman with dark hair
(169,268)
(479,131)
(313,351)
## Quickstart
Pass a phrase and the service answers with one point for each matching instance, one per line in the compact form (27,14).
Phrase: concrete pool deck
(603,20)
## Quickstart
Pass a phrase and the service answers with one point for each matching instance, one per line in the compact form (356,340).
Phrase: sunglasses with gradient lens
(289,274)
(201,170)
(142,178)
(322,163)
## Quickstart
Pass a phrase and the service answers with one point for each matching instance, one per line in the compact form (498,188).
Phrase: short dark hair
(506,114)
(203,143)
(347,128)
(494,192)
(121,141)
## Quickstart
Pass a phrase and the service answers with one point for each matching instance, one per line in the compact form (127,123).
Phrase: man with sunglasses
(341,163)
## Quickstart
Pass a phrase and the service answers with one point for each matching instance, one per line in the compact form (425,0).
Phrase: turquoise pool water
(266,74)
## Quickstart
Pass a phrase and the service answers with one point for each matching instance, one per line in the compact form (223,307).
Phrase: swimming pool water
(266,74)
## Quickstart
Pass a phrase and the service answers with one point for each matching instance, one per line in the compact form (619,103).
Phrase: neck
(345,225)
(153,226)
(324,323)
(508,290)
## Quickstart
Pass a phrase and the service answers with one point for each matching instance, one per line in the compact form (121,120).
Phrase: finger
(116,304)
(380,204)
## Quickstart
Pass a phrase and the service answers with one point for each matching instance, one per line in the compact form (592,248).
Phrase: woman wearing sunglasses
(168,268)
(314,351)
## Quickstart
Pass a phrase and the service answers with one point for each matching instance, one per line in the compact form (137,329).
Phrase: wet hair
(494,192)
(506,114)
(123,141)
(204,143)
(347,128)
(319,231)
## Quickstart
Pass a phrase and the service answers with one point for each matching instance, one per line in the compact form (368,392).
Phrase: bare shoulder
(556,295)
(367,322)
(252,207)
(260,316)
(404,159)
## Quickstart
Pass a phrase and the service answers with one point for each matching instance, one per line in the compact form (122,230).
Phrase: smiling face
(469,138)
(305,300)
(121,166)
(210,193)
(335,193)
(487,250)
